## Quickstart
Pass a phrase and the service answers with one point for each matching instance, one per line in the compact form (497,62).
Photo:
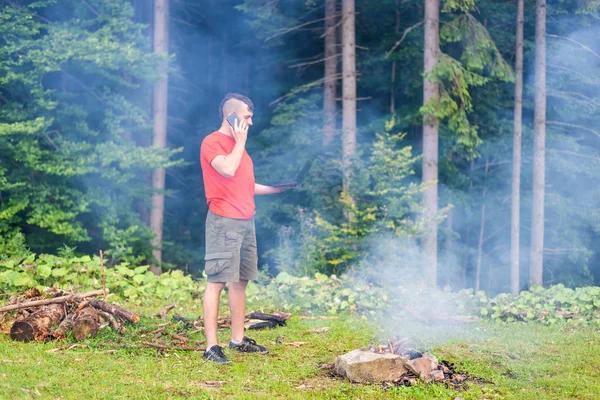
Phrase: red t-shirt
(228,197)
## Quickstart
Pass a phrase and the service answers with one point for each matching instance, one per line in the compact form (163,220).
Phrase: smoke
(426,316)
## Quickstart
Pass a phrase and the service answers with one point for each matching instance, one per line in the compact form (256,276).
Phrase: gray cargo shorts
(231,252)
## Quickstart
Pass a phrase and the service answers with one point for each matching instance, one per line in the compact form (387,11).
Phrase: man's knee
(241,285)
(215,286)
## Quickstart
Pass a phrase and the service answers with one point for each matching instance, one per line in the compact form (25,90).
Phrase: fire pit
(395,363)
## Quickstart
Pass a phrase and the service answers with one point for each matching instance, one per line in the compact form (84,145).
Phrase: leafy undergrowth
(519,361)
(548,306)
(319,295)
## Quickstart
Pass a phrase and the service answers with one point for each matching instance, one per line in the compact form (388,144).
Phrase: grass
(519,361)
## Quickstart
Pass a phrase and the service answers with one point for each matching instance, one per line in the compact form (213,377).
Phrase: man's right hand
(240,131)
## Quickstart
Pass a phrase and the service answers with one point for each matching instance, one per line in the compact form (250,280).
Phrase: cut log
(115,310)
(85,323)
(60,333)
(54,300)
(38,325)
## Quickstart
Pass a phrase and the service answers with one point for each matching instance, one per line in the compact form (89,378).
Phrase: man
(231,252)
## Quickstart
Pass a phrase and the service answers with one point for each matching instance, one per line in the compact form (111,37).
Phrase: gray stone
(421,367)
(433,359)
(436,375)
(365,366)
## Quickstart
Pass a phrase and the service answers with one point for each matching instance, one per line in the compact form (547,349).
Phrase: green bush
(547,306)
(136,284)
(320,295)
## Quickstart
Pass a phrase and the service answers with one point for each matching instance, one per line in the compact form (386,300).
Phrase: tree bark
(116,310)
(144,14)
(430,141)
(161,47)
(329,92)
(38,326)
(65,326)
(539,149)
(481,232)
(85,323)
(393,85)
(515,230)
(349,88)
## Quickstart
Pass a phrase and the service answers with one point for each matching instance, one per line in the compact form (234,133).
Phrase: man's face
(246,115)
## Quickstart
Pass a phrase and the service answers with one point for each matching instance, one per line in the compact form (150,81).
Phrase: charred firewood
(189,323)
(264,324)
(115,310)
(85,323)
(280,321)
(38,325)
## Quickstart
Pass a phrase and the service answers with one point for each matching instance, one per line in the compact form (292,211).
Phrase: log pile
(42,316)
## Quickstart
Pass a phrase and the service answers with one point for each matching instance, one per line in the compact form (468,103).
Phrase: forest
(454,142)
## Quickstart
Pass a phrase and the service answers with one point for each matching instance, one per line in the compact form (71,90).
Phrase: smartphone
(231,119)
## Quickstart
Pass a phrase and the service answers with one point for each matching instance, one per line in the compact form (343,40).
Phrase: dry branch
(163,313)
(112,321)
(54,300)
(406,32)
(583,46)
(116,310)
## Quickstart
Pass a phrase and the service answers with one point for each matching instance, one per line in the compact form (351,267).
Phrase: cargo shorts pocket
(218,262)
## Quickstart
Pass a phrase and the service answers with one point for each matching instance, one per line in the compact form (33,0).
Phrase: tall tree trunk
(481,232)
(539,149)
(515,223)
(467,253)
(161,46)
(144,13)
(393,85)
(349,88)
(329,95)
(430,141)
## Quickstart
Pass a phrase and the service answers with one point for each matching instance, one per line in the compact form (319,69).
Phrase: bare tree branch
(558,123)
(91,8)
(293,28)
(583,46)
(306,87)
(333,28)
(315,62)
(573,153)
(406,32)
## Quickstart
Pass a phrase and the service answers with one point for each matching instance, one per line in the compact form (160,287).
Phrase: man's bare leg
(237,307)
(211,311)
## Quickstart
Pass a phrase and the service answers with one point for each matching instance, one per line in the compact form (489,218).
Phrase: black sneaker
(216,355)
(248,346)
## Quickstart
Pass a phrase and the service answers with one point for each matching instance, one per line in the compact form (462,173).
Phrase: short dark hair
(235,96)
